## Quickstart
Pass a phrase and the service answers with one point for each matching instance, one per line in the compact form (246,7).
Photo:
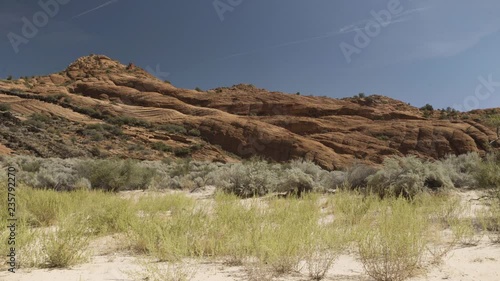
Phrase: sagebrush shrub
(408,176)
(295,181)
(115,175)
(357,175)
(462,168)
(255,178)
(323,180)
(488,172)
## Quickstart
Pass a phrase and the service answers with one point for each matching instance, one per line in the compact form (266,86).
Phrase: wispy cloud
(284,44)
(448,47)
(398,18)
(96,8)
(402,17)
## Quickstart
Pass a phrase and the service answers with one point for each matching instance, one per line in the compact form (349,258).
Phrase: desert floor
(480,262)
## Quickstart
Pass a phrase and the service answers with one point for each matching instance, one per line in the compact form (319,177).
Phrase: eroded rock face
(244,120)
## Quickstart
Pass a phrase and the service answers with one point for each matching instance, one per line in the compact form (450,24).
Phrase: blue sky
(435,52)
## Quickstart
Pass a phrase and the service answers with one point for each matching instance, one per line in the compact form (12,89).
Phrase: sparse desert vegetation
(273,220)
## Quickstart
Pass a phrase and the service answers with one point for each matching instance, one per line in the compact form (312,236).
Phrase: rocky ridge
(141,117)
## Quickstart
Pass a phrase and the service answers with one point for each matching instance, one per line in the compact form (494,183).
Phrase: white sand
(480,263)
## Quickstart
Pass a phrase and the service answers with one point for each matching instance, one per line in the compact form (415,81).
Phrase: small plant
(488,172)
(194,132)
(115,175)
(255,178)
(182,151)
(198,89)
(394,241)
(427,107)
(128,120)
(99,131)
(43,207)
(160,146)
(4,107)
(464,231)
(173,128)
(490,220)
(382,137)
(351,206)
(324,249)
(38,120)
(357,175)
(285,238)
(9,77)
(361,95)
(66,245)
(408,176)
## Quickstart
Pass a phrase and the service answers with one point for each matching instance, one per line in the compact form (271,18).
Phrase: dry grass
(162,272)
(394,238)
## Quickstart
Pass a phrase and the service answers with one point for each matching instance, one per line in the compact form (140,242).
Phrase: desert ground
(109,261)
(474,263)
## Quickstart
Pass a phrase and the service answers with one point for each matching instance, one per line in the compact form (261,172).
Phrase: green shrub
(490,220)
(323,180)
(295,181)
(4,107)
(42,208)
(115,175)
(408,176)
(285,238)
(254,178)
(103,129)
(102,213)
(182,151)
(462,169)
(393,242)
(357,175)
(194,132)
(94,113)
(171,240)
(51,173)
(351,206)
(95,151)
(38,120)
(172,128)
(427,107)
(160,146)
(66,246)
(128,120)
(488,173)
